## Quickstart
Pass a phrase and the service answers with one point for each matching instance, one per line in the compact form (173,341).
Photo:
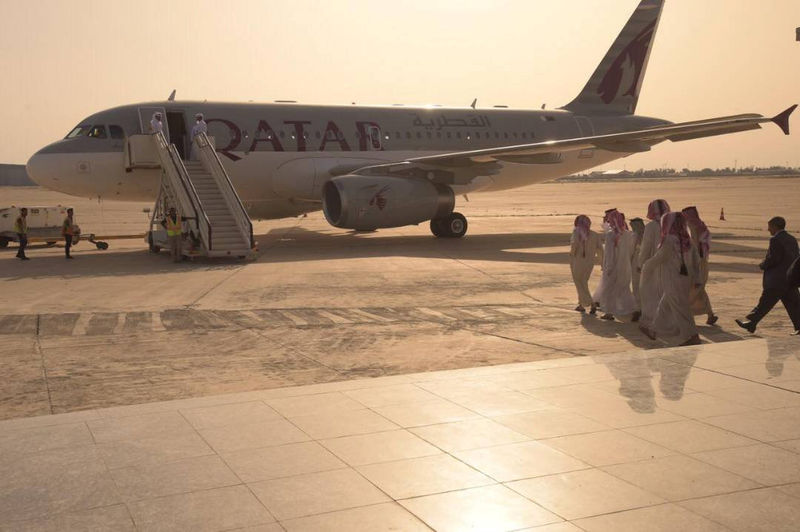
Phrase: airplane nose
(39,169)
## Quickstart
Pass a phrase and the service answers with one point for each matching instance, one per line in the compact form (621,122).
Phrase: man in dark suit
(782,253)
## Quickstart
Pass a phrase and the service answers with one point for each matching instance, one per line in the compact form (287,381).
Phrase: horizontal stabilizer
(782,120)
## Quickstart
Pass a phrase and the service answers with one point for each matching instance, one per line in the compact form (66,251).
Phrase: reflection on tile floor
(698,438)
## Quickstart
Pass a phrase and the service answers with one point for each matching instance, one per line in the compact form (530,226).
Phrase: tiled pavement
(700,438)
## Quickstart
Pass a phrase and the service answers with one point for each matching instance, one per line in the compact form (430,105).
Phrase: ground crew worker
(21,228)
(156,125)
(200,126)
(173,223)
(68,231)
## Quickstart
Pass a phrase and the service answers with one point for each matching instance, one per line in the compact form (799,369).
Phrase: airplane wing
(484,161)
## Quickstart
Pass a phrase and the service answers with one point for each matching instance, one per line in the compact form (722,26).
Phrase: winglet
(782,120)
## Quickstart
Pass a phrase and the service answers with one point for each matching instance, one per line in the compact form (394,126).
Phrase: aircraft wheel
(455,225)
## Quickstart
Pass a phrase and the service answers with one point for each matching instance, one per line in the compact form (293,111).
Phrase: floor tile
(698,405)
(231,414)
(400,394)
(606,448)
(772,425)
(765,464)
(664,518)
(345,423)
(423,476)
(519,460)
(252,436)
(689,436)
(378,518)
(550,423)
(487,509)
(555,527)
(499,403)
(623,414)
(428,413)
(790,445)
(217,509)
(316,493)
(586,493)
(756,395)
(680,477)
(252,465)
(319,404)
(155,449)
(769,510)
(387,446)
(139,426)
(193,474)
(468,434)
(62,480)
(37,439)
(114,518)
(790,489)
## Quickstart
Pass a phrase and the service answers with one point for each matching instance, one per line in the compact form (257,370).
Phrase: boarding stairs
(201,191)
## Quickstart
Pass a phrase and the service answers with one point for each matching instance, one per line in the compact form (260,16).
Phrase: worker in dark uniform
(21,228)
(68,231)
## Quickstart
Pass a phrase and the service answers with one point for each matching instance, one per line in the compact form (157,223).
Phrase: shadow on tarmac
(297,244)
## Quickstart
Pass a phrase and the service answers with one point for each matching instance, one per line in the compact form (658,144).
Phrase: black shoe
(70,257)
(749,326)
(636,316)
(712,320)
(580,308)
(608,317)
(23,258)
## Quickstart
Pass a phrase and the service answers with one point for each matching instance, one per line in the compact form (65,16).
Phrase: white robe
(614,293)
(650,283)
(156,126)
(581,261)
(636,275)
(674,314)
(698,296)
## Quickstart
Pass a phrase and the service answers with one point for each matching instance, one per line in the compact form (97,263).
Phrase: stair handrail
(214,165)
(174,168)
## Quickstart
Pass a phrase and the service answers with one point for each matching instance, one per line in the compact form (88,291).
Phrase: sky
(64,60)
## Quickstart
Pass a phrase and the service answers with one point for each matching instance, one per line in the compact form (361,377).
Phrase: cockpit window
(79,131)
(116,132)
(98,132)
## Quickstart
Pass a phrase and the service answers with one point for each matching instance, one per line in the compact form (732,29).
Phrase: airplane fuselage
(279,156)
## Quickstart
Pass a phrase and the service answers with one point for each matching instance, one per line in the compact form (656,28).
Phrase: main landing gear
(453,225)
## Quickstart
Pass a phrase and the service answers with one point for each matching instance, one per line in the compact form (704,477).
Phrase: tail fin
(614,86)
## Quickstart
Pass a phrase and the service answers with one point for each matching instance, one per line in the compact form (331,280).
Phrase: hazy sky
(63,60)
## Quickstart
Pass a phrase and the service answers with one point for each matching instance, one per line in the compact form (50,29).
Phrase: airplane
(370,167)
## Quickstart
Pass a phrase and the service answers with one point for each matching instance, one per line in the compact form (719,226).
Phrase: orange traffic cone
(722,214)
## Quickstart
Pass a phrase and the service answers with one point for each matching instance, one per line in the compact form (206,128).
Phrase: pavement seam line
(40,351)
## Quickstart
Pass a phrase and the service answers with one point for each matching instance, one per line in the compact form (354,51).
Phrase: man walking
(21,228)
(68,231)
(172,223)
(782,252)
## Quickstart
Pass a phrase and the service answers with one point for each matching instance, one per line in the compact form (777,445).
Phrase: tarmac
(115,351)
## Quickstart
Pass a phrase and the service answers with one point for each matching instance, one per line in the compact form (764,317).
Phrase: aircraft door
(146,114)
(374,138)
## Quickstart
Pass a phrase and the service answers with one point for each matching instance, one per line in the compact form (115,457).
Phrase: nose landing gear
(453,225)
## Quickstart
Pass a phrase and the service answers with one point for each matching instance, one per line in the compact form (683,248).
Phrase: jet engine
(370,202)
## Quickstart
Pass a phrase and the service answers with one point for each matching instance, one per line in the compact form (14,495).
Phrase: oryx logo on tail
(627,67)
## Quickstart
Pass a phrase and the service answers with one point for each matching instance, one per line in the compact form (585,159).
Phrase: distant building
(14,175)
(797,34)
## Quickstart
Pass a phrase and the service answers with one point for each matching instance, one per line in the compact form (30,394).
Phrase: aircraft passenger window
(430,135)
(317,134)
(282,134)
(524,135)
(505,135)
(515,134)
(458,134)
(408,134)
(98,132)
(419,135)
(449,135)
(438,134)
(497,134)
(397,135)
(116,132)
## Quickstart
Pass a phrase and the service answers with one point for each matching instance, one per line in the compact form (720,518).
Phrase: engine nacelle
(370,202)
